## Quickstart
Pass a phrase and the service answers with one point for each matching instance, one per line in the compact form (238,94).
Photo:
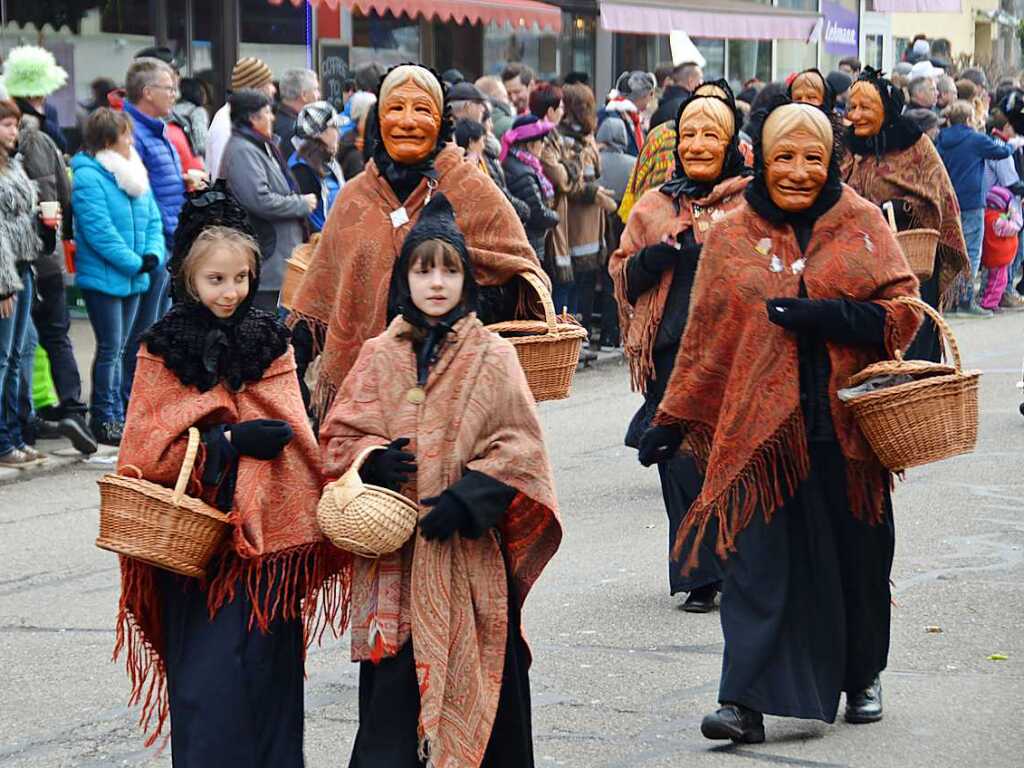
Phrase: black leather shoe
(701,600)
(736,722)
(74,429)
(865,706)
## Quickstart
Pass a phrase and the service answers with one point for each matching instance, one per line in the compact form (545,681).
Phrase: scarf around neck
(129,173)
(530,160)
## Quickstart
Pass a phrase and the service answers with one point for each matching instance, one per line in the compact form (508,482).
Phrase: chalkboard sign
(334,71)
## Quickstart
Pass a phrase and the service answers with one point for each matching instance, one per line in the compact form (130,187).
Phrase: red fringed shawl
(275,540)
(735,388)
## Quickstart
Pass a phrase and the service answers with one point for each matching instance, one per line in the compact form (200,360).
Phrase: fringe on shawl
(769,479)
(640,352)
(311,583)
(324,390)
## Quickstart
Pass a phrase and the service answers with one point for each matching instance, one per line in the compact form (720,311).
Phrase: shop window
(384,39)
(536,49)
(275,33)
(458,46)
(713,51)
(873,47)
(747,59)
(579,44)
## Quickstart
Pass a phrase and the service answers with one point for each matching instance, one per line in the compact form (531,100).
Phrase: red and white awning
(518,13)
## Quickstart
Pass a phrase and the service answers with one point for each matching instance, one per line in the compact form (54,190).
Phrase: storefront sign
(842,29)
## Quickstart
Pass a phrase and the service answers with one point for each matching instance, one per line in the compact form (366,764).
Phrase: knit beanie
(32,71)
(250,72)
(998,198)
(317,117)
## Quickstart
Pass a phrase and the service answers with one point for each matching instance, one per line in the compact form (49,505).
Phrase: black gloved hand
(391,467)
(797,315)
(660,444)
(260,438)
(448,517)
(149,263)
(687,239)
(659,257)
(844,321)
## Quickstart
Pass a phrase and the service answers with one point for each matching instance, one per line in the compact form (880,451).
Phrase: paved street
(621,678)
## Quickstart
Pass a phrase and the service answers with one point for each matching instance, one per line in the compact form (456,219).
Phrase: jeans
(50,315)
(152,305)
(13,330)
(112,319)
(26,404)
(974,232)
(563,296)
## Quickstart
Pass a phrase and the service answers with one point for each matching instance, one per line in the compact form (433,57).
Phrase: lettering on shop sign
(842,29)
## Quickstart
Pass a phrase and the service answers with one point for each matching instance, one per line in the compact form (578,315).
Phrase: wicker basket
(367,520)
(548,349)
(919,247)
(159,526)
(295,269)
(926,420)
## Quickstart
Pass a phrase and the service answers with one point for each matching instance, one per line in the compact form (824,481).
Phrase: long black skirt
(236,695)
(806,603)
(389,709)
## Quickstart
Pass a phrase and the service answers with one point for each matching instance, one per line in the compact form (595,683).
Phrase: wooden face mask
(797,142)
(808,88)
(705,130)
(865,110)
(409,123)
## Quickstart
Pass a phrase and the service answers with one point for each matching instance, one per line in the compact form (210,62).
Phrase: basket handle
(130,470)
(545,299)
(890,213)
(191,450)
(941,324)
(358,462)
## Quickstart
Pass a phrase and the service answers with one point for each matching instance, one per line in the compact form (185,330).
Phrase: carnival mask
(796,169)
(409,123)
(808,88)
(704,136)
(865,110)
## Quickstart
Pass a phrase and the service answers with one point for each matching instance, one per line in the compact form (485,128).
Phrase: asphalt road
(621,677)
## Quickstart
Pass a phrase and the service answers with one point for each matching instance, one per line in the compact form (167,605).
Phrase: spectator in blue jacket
(150,96)
(119,235)
(964,152)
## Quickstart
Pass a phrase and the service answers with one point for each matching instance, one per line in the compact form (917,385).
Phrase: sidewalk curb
(58,456)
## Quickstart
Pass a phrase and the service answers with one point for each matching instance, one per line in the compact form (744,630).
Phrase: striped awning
(517,13)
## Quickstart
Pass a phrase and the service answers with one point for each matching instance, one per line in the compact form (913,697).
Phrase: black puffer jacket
(523,184)
(497,174)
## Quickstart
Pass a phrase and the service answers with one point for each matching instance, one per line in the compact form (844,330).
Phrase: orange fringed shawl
(345,289)
(452,596)
(275,551)
(735,388)
(653,218)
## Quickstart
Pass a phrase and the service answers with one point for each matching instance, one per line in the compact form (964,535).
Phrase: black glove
(391,467)
(149,263)
(797,315)
(660,444)
(844,321)
(49,237)
(448,517)
(260,438)
(659,257)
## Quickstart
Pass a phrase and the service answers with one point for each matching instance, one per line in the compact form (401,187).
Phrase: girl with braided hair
(223,656)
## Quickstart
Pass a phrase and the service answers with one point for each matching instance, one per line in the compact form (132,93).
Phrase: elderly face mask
(808,88)
(409,123)
(865,110)
(704,137)
(796,158)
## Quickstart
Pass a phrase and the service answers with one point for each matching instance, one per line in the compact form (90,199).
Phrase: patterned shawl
(917,174)
(653,167)
(345,289)
(653,218)
(735,388)
(450,597)
(275,549)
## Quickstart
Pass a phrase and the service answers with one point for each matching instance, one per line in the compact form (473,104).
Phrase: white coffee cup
(50,210)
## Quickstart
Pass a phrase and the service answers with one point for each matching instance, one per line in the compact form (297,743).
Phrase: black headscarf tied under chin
(897,132)
(757,191)
(198,347)
(681,185)
(405,178)
(829,104)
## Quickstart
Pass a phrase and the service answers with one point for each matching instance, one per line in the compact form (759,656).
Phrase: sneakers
(19,457)
(73,428)
(1011,301)
(107,432)
(974,311)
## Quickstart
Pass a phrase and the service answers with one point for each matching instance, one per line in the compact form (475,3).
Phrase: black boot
(701,600)
(865,706)
(74,429)
(736,722)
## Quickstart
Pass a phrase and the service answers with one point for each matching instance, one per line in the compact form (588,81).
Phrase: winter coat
(277,211)
(502,117)
(616,164)
(564,173)
(524,185)
(43,163)
(623,111)
(163,165)
(492,166)
(284,128)
(117,222)
(18,226)
(217,139)
(350,156)
(964,152)
(585,217)
(195,121)
(325,186)
(179,138)
(671,100)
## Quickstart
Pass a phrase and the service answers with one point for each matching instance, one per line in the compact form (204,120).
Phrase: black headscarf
(405,178)
(198,347)
(436,222)
(757,191)
(897,133)
(681,185)
(829,105)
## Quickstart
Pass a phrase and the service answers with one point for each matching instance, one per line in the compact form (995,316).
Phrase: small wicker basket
(159,526)
(365,519)
(925,420)
(918,245)
(548,349)
(295,270)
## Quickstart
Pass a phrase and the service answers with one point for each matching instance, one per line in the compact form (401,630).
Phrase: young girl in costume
(223,655)
(436,625)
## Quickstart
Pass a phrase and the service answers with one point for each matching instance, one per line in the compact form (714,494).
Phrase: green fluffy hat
(32,71)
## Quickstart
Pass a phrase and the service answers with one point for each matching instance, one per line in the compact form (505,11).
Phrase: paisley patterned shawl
(918,175)
(451,597)
(345,288)
(275,549)
(735,388)
(653,218)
